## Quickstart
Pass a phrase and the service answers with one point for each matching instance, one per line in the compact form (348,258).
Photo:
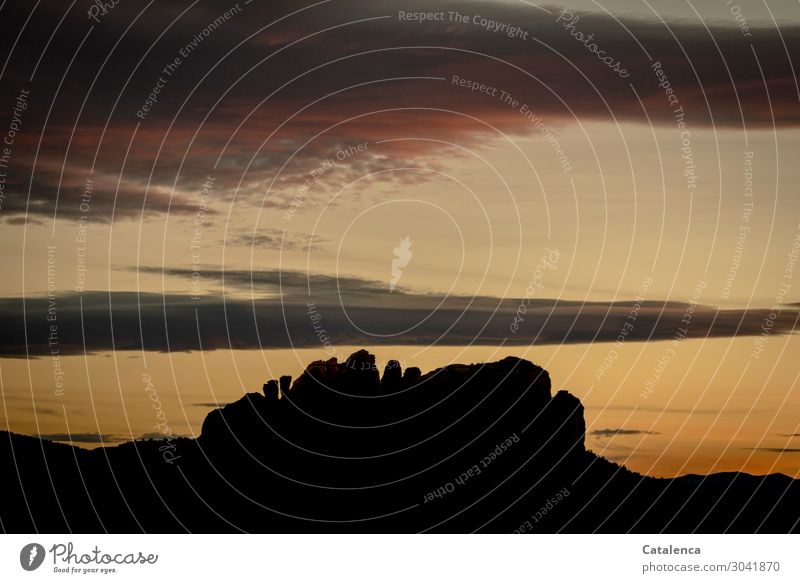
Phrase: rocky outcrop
(360,375)
(411,376)
(271,390)
(392,379)
(463,448)
(465,399)
(285,384)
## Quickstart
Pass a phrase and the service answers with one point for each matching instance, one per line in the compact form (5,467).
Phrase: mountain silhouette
(464,448)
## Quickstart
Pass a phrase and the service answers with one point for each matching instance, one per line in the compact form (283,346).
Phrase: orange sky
(322,174)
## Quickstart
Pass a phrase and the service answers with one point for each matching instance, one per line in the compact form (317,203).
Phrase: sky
(206,195)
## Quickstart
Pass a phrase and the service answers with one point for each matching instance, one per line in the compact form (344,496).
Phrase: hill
(481,447)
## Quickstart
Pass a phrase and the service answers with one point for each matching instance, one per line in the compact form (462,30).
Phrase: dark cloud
(776,449)
(619,431)
(268,90)
(278,240)
(291,283)
(23,220)
(293,309)
(46,411)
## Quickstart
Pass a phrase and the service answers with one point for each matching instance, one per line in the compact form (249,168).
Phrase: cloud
(780,450)
(269,95)
(23,220)
(278,240)
(288,282)
(294,309)
(46,411)
(619,431)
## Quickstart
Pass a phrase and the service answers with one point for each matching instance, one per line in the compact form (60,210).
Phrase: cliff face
(463,448)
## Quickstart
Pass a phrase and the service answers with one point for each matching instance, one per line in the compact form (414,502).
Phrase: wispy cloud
(780,450)
(278,240)
(620,431)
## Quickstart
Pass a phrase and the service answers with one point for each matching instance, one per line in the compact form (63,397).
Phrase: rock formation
(463,448)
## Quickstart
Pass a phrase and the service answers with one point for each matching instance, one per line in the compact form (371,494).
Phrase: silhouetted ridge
(478,447)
